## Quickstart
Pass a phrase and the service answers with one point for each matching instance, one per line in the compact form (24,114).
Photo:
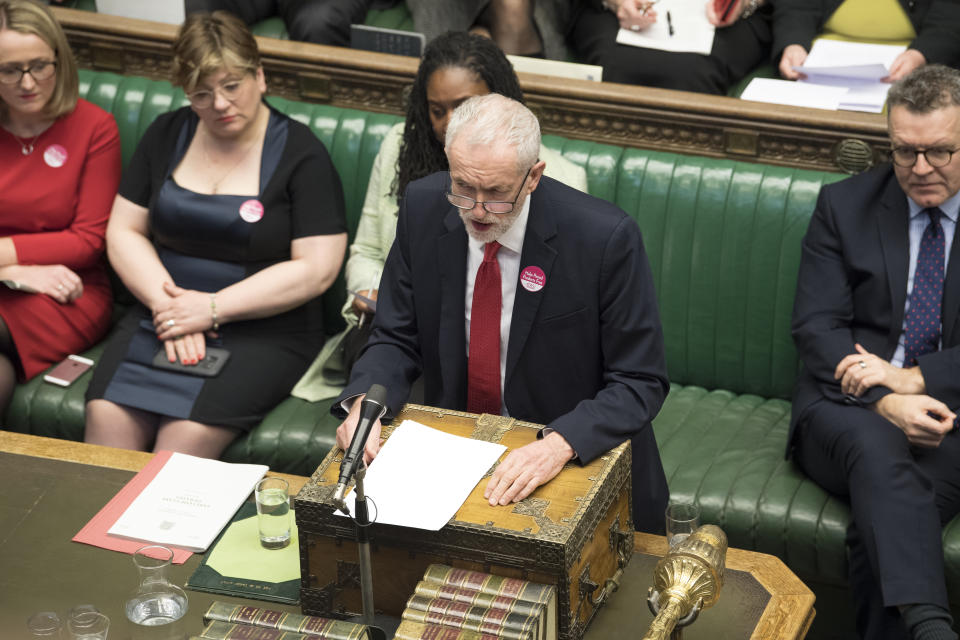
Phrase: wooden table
(41,569)
(43,504)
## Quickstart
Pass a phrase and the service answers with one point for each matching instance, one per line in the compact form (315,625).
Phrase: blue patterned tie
(922,330)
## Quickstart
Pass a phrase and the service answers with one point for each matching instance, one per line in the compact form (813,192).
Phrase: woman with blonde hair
(228,226)
(59,168)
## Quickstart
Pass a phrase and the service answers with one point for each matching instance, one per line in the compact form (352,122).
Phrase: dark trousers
(900,497)
(737,50)
(317,21)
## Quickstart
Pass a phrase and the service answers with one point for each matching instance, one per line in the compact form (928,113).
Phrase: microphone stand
(362,520)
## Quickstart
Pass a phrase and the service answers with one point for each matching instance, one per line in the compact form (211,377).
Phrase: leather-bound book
(316,627)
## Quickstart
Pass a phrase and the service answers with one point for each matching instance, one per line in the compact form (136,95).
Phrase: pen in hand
(669,24)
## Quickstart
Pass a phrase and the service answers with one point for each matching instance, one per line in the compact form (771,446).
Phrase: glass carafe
(156,601)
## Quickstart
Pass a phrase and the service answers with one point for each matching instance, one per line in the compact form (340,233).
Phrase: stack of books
(457,604)
(237,622)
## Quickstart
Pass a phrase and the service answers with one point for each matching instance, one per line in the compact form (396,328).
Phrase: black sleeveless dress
(208,242)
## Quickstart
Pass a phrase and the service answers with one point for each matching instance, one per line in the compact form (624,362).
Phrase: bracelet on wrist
(213,312)
(749,8)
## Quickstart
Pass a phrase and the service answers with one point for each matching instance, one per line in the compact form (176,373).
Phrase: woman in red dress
(59,169)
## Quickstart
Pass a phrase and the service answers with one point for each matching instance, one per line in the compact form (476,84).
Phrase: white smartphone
(69,369)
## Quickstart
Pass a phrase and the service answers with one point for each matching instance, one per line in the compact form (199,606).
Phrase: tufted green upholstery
(723,239)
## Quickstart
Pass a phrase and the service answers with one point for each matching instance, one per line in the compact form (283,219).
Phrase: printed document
(422,476)
(691,31)
(859,67)
(797,94)
(188,502)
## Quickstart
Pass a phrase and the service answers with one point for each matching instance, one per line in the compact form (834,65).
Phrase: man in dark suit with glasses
(514,294)
(876,325)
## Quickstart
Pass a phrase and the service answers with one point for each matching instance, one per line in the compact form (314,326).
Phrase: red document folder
(95,532)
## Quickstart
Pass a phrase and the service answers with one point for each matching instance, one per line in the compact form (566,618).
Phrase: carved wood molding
(610,113)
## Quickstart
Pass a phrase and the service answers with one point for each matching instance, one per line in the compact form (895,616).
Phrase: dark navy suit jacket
(852,289)
(585,355)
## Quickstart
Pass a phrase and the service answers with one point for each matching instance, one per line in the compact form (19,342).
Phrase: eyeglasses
(936,157)
(39,71)
(498,207)
(204,98)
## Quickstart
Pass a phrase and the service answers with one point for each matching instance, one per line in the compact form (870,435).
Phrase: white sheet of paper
(868,97)
(798,94)
(422,476)
(836,53)
(172,12)
(862,73)
(691,31)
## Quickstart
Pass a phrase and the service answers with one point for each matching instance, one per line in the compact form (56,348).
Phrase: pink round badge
(55,156)
(251,211)
(533,278)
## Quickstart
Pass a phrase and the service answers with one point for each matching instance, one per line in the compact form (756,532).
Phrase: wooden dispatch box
(575,532)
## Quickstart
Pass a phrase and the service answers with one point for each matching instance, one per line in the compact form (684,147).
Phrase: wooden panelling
(603,112)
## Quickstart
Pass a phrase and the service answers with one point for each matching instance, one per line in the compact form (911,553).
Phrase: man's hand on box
(526,468)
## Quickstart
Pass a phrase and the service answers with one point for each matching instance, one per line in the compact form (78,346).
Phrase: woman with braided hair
(455,66)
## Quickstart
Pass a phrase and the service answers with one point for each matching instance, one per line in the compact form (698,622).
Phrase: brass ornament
(687,580)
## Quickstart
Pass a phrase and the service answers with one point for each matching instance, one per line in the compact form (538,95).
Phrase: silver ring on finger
(171,322)
(863,365)
(60,287)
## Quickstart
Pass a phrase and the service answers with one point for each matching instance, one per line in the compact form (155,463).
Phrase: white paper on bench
(692,32)
(797,94)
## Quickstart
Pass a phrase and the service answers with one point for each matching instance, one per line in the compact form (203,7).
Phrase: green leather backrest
(724,244)
(723,237)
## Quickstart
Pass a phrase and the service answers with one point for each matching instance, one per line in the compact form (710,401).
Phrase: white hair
(494,118)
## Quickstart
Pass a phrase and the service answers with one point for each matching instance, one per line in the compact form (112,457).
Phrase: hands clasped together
(924,420)
(54,280)
(181,322)
(522,471)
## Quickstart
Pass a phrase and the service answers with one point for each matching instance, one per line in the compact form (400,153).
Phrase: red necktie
(483,365)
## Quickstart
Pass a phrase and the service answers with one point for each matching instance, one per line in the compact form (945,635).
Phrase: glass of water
(88,625)
(156,601)
(682,519)
(273,512)
(45,624)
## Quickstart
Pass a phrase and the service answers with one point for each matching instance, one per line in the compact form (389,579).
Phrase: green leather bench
(724,243)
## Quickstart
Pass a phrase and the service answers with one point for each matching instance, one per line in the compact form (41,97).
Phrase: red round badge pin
(55,156)
(533,279)
(251,211)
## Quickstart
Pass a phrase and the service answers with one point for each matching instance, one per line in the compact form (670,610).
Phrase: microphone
(371,409)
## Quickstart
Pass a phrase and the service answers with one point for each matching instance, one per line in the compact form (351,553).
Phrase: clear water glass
(273,512)
(45,624)
(682,519)
(88,625)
